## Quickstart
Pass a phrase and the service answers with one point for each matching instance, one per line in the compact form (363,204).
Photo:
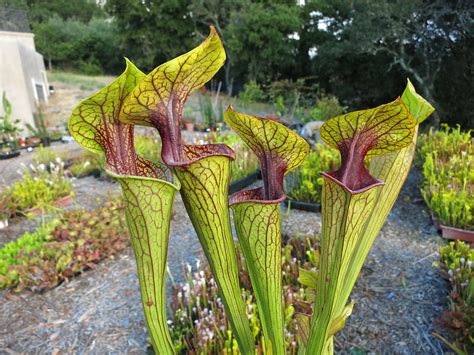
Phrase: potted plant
(8,131)
(40,131)
(188,120)
(5,208)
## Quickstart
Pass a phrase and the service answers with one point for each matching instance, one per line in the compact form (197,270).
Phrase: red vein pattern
(203,171)
(349,231)
(343,217)
(258,226)
(158,100)
(257,214)
(393,169)
(366,134)
(205,184)
(279,150)
(94,125)
(149,204)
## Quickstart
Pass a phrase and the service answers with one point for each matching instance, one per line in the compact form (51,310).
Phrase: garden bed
(399,296)
(448,186)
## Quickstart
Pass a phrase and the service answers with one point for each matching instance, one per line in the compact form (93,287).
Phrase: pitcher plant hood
(95,125)
(365,134)
(158,100)
(278,148)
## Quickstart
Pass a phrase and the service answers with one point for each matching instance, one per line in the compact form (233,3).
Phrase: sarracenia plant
(357,200)
(203,170)
(257,215)
(355,203)
(148,188)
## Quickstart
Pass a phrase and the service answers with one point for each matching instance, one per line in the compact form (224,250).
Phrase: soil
(398,296)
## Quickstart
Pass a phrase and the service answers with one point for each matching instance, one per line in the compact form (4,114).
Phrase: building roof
(14,20)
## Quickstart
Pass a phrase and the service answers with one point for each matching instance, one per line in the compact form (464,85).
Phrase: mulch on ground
(398,296)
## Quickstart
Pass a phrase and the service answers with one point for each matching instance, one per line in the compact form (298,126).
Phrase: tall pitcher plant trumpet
(356,200)
(148,188)
(376,147)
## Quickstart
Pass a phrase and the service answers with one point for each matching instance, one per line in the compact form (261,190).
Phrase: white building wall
(25,38)
(12,81)
(21,67)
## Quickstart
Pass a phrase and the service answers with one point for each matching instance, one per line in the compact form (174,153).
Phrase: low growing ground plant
(457,266)
(88,163)
(46,156)
(448,171)
(306,183)
(39,187)
(63,247)
(199,323)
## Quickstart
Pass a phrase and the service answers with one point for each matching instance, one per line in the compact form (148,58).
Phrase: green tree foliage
(361,51)
(151,32)
(86,47)
(372,43)
(81,10)
(261,38)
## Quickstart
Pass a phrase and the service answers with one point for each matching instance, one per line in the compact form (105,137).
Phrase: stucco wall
(12,81)
(25,38)
(21,67)
(34,73)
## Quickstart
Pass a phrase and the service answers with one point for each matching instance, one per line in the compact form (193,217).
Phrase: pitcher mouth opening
(255,195)
(374,183)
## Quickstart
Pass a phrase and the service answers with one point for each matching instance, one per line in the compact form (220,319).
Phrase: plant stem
(149,204)
(258,228)
(205,185)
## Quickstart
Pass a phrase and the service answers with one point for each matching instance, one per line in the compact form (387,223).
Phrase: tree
(91,47)
(415,35)
(150,31)
(262,40)
(217,13)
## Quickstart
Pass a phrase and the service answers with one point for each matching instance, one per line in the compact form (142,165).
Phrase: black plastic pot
(9,155)
(303,206)
(45,141)
(246,181)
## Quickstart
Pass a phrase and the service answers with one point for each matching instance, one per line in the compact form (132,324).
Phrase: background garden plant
(448,176)
(41,185)
(306,183)
(63,247)
(456,265)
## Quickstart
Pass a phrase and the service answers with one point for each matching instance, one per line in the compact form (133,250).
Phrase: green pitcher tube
(343,216)
(204,189)
(258,227)
(149,204)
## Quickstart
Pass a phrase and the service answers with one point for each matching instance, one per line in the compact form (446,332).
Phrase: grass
(85,82)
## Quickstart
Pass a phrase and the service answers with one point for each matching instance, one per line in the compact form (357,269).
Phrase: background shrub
(448,175)
(306,183)
(456,265)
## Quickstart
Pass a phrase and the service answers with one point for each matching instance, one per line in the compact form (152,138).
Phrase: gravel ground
(398,296)
(9,168)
